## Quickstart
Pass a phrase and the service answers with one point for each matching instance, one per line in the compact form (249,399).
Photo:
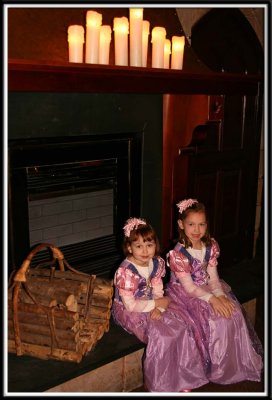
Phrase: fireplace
(76,193)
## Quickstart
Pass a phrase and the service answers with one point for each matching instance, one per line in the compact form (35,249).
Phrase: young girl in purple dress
(171,361)
(229,347)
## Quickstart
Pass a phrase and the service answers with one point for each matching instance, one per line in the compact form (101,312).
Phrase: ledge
(38,76)
(245,278)
(30,374)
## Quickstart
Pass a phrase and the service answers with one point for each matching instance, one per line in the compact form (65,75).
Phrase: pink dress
(229,347)
(171,361)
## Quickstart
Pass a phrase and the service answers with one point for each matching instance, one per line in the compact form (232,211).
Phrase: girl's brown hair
(146,232)
(196,208)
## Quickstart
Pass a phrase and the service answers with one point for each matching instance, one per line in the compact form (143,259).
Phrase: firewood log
(45,352)
(44,330)
(44,290)
(57,312)
(98,312)
(91,334)
(104,287)
(95,321)
(47,340)
(101,301)
(42,319)
(44,300)
(43,284)
(69,276)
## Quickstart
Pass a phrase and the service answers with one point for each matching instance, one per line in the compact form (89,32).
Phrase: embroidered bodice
(128,278)
(183,261)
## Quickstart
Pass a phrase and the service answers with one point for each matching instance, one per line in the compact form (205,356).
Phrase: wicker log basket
(56,313)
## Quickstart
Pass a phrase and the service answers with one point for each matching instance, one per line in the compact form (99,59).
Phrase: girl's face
(141,252)
(195,226)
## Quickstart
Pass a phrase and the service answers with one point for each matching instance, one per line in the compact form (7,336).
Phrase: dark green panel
(32,115)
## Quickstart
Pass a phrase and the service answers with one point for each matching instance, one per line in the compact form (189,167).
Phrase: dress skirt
(171,361)
(229,348)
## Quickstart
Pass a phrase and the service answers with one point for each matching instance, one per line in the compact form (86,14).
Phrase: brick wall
(71,219)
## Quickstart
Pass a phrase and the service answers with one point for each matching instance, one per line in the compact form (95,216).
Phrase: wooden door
(219,167)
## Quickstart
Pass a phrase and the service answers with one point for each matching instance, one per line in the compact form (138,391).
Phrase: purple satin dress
(229,347)
(171,361)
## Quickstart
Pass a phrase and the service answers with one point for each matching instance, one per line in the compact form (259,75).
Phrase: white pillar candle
(94,21)
(167,52)
(145,34)
(104,44)
(120,28)
(75,42)
(157,40)
(178,43)
(135,36)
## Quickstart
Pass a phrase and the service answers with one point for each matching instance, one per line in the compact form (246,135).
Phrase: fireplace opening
(75,193)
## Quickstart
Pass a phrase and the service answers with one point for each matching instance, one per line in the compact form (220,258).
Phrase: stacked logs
(58,314)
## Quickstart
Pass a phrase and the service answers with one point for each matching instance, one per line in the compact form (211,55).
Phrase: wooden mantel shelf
(38,76)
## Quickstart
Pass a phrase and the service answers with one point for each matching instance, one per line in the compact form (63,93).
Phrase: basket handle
(20,275)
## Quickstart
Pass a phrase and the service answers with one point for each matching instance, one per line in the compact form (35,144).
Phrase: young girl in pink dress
(171,362)
(229,347)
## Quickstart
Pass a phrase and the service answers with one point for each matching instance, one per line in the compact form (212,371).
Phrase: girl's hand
(162,302)
(222,306)
(229,304)
(155,314)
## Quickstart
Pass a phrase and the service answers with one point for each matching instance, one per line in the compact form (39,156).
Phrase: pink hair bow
(132,223)
(184,204)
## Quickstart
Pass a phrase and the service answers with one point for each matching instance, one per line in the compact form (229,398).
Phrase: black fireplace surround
(48,167)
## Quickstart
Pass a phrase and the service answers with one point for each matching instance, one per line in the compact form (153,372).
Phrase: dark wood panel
(204,185)
(233,129)
(228,214)
(223,177)
(220,181)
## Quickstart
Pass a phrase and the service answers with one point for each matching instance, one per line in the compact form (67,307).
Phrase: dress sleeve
(178,262)
(215,253)
(127,283)
(126,280)
(214,281)
(180,265)
(192,289)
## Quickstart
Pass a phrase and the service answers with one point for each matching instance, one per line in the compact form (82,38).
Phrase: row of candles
(134,29)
